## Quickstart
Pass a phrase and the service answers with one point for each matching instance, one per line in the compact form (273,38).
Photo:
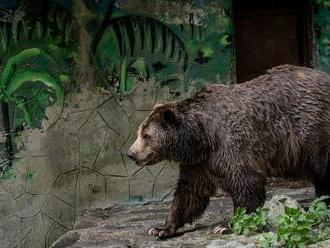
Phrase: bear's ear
(171,117)
(158,104)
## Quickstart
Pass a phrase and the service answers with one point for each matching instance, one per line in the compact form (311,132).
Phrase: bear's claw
(153,232)
(221,230)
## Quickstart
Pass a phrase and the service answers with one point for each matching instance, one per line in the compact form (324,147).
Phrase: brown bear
(233,137)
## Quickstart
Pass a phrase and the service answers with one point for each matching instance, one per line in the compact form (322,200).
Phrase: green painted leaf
(8,174)
(14,61)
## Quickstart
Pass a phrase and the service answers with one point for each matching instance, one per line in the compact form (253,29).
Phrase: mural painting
(76,79)
(322,32)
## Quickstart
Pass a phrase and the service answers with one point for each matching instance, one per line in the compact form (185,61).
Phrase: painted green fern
(14,76)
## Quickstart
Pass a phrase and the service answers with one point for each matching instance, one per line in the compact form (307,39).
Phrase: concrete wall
(78,77)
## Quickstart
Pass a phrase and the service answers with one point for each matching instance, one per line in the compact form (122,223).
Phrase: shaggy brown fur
(233,137)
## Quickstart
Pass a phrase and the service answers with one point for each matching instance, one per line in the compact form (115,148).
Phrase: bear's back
(283,110)
(297,94)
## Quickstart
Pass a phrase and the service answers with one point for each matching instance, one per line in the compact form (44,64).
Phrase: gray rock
(322,244)
(230,244)
(276,206)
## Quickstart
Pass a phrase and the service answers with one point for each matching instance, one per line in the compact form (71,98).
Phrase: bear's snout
(131,154)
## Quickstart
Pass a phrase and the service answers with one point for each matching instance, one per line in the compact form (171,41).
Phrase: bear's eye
(146,136)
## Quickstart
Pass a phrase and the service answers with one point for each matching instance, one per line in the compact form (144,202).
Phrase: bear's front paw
(162,232)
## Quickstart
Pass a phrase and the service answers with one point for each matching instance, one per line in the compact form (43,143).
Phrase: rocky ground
(127,226)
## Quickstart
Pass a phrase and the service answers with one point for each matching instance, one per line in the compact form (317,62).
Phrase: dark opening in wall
(270,33)
(7,149)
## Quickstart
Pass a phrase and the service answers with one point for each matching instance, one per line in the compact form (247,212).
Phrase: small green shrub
(243,223)
(295,229)
(319,210)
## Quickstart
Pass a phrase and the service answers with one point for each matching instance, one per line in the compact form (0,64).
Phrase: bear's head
(156,136)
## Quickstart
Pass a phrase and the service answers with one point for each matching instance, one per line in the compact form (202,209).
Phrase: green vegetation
(322,25)
(243,223)
(296,228)
(323,2)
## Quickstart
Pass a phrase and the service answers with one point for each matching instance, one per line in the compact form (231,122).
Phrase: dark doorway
(270,33)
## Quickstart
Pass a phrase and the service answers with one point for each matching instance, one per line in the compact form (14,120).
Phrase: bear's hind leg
(249,192)
(322,183)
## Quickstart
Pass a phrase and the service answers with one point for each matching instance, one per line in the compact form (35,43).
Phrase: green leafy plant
(295,229)
(326,3)
(319,210)
(243,223)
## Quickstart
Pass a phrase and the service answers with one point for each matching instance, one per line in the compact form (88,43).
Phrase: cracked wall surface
(78,77)
(77,161)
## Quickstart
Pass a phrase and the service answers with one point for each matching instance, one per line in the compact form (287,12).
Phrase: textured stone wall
(77,78)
